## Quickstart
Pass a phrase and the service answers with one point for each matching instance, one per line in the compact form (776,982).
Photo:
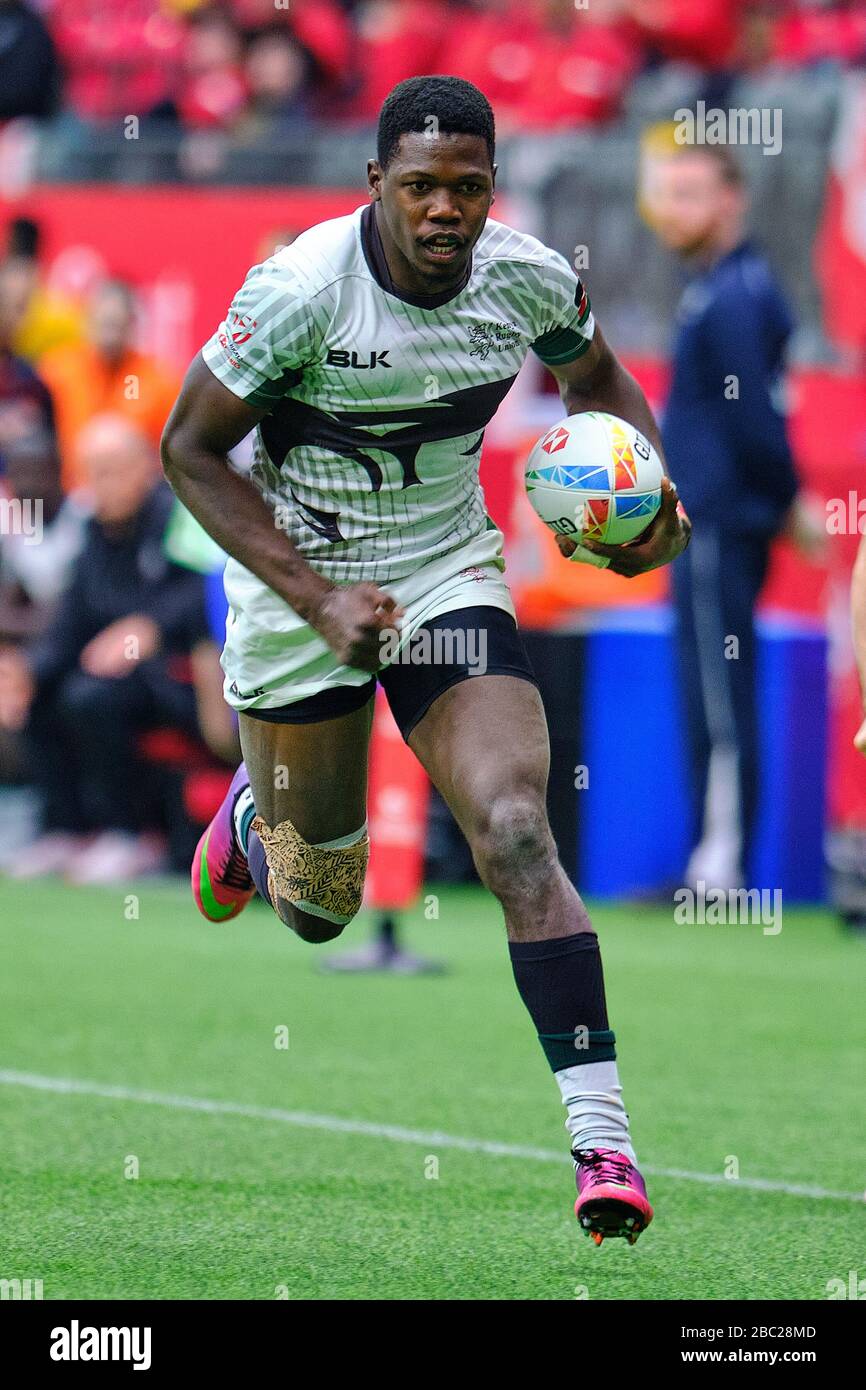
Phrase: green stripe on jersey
(562,345)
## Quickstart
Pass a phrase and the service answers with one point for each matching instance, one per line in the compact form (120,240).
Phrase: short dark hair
(458,106)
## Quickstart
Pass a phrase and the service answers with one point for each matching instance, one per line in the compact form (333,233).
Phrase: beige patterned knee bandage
(326,883)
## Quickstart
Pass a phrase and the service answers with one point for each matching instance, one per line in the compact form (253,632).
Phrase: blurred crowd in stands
(102,574)
(251,67)
(120,581)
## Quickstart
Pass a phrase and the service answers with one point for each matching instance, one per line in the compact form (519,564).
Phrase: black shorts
(412,686)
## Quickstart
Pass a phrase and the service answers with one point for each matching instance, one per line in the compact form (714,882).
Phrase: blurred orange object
(84,384)
(397,811)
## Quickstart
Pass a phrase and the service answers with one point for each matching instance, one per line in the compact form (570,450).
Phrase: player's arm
(206,422)
(597,380)
(858,616)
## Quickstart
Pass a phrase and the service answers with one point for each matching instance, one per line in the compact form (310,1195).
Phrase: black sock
(562,985)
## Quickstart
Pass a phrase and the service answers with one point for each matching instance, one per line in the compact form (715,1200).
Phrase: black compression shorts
(490,645)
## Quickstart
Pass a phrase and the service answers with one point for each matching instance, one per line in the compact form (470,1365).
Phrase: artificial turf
(738,1051)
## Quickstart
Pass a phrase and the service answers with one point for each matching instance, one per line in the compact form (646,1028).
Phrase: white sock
(243,815)
(596,1117)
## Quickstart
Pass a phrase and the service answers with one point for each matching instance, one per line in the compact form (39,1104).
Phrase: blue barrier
(634,818)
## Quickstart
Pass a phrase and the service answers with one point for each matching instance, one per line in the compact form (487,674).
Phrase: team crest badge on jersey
(492,337)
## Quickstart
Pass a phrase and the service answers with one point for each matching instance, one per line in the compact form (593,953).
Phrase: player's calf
(517,859)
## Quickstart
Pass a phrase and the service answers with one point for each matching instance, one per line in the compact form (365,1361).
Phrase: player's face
(435,195)
(689,203)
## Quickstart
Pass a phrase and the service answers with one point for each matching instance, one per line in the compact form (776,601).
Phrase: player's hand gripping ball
(594,477)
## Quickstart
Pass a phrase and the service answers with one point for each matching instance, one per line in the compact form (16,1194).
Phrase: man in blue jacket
(727,448)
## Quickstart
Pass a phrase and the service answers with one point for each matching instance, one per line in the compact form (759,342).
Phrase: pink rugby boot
(221,882)
(611,1195)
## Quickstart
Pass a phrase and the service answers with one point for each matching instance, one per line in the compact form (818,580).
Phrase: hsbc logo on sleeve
(338,357)
(241,327)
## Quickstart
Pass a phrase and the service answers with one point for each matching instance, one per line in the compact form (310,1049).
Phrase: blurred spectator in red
(280,80)
(543,64)
(119,57)
(107,373)
(211,90)
(705,32)
(815,33)
(113,663)
(840,246)
(36,556)
(321,26)
(48,319)
(29,71)
(25,402)
(397,39)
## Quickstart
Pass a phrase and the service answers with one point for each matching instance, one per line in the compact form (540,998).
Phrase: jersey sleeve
(566,317)
(261,347)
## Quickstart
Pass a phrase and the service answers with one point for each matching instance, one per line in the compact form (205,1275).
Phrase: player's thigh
(314,775)
(484,741)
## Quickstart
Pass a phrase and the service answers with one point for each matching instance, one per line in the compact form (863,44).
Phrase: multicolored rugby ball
(594,477)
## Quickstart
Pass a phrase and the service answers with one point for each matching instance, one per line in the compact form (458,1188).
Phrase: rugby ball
(595,477)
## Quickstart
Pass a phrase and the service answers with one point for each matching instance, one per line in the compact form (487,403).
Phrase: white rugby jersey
(378,401)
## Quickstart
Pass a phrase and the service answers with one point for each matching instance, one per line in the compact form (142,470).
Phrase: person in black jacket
(111,665)
(727,447)
(29,69)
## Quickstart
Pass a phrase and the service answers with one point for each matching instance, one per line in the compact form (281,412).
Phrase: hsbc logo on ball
(557,439)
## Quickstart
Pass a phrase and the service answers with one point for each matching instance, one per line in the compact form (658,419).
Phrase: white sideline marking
(302,1119)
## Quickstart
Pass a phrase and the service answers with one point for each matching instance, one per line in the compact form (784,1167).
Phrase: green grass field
(732,1045)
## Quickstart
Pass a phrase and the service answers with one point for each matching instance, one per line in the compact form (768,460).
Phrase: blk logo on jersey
(337,357)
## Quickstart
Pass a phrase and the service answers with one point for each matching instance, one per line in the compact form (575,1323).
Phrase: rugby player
(369,356)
